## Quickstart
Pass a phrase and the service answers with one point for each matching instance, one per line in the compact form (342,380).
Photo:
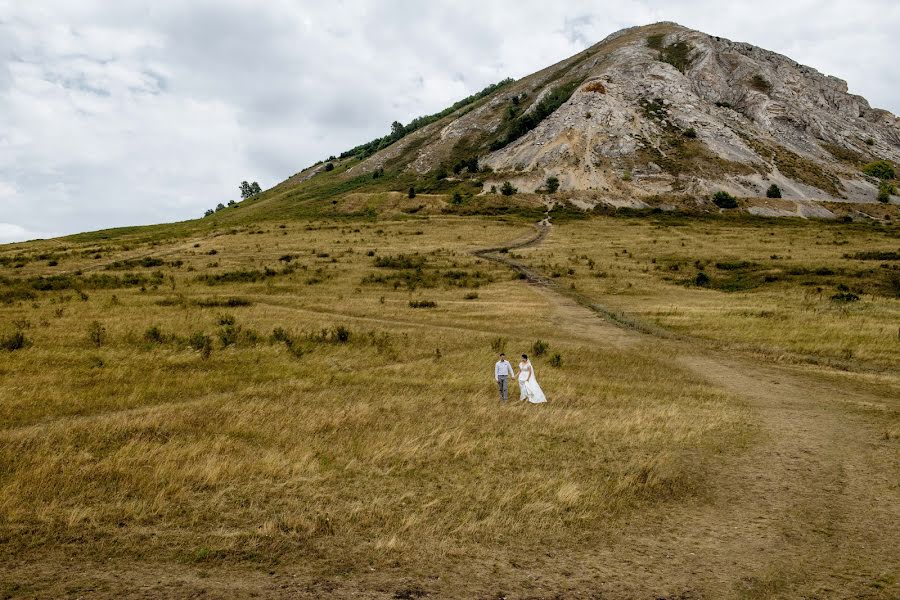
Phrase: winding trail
(811,509)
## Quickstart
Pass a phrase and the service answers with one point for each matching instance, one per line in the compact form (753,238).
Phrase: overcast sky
(121,112)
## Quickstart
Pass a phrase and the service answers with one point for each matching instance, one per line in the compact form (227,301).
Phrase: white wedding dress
(529,388)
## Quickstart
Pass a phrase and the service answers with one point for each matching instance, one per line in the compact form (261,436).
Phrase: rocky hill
(657,114)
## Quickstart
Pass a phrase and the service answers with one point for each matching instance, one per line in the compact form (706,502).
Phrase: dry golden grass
(781,304)
(387,450)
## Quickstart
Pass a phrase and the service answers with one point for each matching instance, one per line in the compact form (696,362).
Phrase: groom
(502,372)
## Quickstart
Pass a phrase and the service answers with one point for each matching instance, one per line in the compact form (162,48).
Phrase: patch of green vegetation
(723,199)
(524,123)
(92,282)
(886,189)
(401,261)
(796,167)
(678,55)
(875,255)
(656,40)
(413,271)
(881,169)
(653,109)
(243,276)
(844,154)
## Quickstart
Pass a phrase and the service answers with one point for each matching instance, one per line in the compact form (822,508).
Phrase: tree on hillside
(412,192)
(209,212)
(552,184)
(507,189)
(397,130)
(773,192)
(248,190)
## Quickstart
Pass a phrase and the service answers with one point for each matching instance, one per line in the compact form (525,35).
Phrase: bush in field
(14,341)
(96,333)
(724,200)
(202,343)
(702,279)
(422,304)
(539,347)
(556,360)
(507,189)
(881,169)
(340,334)
(552,184)
(773,192)
(154,335)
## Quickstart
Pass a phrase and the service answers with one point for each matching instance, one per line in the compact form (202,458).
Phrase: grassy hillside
(221,399)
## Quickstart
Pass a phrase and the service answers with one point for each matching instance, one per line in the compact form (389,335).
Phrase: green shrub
(701,280)
(556,360)
(228,335)
(507,189)
(885,189)
(422,304)
(340,334)
(412,192)
(539,347)
(773,192)
(154,335)
(225,319)
(881,169)
(655,41)
(202,343)
(724,200)
(401,261)
(14,341)
(677,55)
(690,133)
(845,297)
(552,184)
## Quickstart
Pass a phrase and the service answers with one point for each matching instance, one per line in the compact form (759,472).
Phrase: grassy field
(316,396)
(814,292)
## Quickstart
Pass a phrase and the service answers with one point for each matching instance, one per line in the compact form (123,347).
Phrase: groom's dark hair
(501,354)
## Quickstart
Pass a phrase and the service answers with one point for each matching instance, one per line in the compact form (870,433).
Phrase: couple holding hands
(528,385)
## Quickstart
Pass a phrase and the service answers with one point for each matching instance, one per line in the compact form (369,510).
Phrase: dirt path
(810,510)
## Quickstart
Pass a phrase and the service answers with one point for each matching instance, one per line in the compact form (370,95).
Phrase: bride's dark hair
(525,356)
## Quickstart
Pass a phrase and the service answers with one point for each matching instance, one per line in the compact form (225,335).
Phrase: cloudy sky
(120,112)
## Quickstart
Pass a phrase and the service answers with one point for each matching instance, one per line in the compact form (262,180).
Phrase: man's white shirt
(502,368)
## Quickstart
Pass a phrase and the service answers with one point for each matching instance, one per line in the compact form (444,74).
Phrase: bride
(528,385)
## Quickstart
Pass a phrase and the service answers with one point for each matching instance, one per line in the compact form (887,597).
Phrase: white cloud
(136,112)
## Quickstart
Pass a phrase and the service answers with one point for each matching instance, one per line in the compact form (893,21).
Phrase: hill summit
(655,112)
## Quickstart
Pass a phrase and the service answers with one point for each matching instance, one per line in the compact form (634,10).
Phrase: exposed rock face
(663,109)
